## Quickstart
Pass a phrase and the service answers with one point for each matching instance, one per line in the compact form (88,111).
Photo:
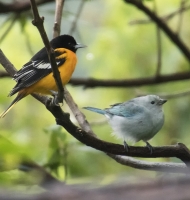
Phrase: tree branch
(91,82)
(19,6)
(38,22)
(151,166)
(58,16)
(68,98)
(179,150)
(159,45)
(164,18)
(171,35)
(77,16)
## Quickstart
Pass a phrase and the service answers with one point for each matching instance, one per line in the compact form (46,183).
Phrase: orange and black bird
(36,75)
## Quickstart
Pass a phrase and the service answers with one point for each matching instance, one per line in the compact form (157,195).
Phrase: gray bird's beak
(162,101)
(77,46)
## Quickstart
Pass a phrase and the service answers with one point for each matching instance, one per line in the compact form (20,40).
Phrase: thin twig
(38,22)
(4,74)
(182,5)
(58,16)
(175,94)
(159,45)
(74,24)
(7,31)
(68,98)
(164,18)
(84,124)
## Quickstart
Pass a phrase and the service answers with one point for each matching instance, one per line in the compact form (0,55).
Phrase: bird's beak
(162,101)
(77,46)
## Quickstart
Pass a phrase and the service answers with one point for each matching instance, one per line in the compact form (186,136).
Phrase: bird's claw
(55,100)
(149,147)
(126,147)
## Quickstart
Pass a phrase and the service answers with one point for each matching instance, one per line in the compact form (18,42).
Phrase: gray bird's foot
(126,147)
(149,147)
(55,101)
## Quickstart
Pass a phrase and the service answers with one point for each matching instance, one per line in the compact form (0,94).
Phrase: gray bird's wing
(126,109)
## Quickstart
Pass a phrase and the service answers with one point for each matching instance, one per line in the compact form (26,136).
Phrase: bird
(134,120)
(36,75)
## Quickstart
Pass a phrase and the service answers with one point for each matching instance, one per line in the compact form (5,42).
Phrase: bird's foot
(149,147)
(55,100)
(126,147)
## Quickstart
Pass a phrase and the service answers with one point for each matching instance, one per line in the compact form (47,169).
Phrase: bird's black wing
(37,68)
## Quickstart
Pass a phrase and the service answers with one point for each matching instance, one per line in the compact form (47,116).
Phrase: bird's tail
(18,98)
(97,110)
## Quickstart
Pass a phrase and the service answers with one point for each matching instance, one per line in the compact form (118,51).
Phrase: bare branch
(182,5)
(9,67)
(13,20)
(74,24)
(175,94)
(91,82)
(164,18)
(19,6)
(171,35)
(58,16)
(4,74)
(77,113)
(47,179)
(151,166)
(68,98)
(126,83)
(38,22)
(159,46)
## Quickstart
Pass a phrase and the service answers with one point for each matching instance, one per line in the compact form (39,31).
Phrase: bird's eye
(152,102)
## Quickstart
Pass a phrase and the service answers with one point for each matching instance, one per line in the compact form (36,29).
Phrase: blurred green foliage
(116,50)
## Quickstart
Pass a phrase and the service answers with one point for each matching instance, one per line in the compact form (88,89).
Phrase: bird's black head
(66,41)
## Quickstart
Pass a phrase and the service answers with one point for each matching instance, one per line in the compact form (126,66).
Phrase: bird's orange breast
(46,84)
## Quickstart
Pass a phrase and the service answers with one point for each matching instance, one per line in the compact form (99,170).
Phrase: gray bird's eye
(152,102)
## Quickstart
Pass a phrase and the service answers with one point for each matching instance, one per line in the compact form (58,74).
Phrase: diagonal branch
(68,98)
(171,35)
(38,22)
(164,18)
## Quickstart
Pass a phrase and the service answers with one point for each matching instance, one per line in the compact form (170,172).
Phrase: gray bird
(134,120)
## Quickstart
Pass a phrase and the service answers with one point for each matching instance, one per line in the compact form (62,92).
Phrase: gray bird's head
(151,101)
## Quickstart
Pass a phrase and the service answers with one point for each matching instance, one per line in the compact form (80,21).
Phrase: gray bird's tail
(97,110)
